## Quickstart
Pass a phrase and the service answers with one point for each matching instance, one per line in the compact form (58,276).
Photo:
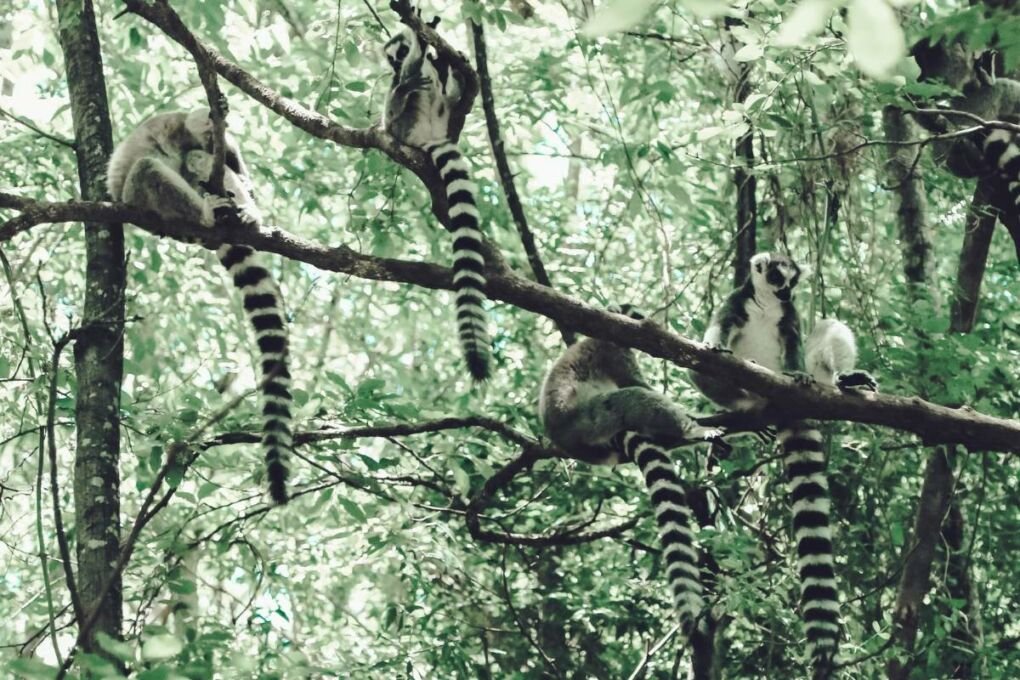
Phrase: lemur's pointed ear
(760,261)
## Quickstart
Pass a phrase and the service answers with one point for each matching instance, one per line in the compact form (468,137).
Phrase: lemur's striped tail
(675,522)
(809,496)
(1003,153)
(263,308)
(468,261)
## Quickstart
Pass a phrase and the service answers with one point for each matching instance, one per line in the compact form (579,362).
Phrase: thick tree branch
(933,423)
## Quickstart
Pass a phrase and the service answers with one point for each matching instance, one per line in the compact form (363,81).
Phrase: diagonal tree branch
(933,423)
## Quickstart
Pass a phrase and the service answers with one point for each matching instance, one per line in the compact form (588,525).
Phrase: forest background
(638,157)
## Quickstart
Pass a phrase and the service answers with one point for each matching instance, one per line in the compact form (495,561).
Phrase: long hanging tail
(262,305)
(468,261)
(1003,153)
(675,521)
(809,495)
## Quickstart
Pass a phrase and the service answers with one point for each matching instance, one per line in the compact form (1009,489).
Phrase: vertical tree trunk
(973,257)
(99,350)
(746,237)
(936,499)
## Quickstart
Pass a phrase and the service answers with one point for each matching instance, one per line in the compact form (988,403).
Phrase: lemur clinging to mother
(423,93)
(759,322)
(163,166)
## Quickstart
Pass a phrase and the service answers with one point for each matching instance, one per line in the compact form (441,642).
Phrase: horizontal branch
(933,423)
(390,430)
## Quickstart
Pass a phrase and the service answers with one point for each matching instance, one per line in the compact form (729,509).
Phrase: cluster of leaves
(624,148)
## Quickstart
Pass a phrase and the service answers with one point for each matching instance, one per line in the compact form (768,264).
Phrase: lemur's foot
(229,214)
(800,377)
(856,381)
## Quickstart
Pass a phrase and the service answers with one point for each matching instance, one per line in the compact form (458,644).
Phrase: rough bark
(98,352)
(745,238)
(973,258)
(915,581)
(936,499)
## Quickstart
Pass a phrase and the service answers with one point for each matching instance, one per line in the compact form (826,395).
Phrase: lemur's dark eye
(402,51)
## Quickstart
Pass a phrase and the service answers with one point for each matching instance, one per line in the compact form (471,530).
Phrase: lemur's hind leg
(632,409)
(154,185)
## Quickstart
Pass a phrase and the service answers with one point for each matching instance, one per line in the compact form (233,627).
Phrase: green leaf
(806,20)
(116,648)
(750,52)
(352,508)
(159,647)
(31,668)
(617,15)
(874,37)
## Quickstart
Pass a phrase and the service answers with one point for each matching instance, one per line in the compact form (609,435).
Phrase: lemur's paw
(627,310)
(765,435)
(800,377)
(856,381)
(719,349)
(713,434)
(229,214)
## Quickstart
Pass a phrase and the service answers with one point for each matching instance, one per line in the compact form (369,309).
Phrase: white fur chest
(759,339)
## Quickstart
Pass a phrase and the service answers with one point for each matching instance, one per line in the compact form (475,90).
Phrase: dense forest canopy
(625,152)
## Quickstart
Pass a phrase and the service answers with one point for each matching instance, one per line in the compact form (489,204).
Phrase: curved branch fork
(933,423)
(161,15)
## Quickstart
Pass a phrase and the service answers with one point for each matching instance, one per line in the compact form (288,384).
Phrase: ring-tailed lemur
(595,405)
(830,355)
(759,322)
(982,93)
(162,166)
(421,97)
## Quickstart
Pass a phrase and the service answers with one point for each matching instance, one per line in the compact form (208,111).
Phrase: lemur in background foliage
(595,405)
(759,322)
(162,166)
(422,95)
(983,92)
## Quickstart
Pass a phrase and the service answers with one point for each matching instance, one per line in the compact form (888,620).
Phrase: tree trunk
(99,351)
(936,499)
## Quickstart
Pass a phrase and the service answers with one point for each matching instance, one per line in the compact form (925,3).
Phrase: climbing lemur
(163,166)
(759,322)
(595,406)
(421,97)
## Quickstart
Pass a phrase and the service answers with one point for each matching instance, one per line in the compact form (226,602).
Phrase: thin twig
(58,523)
(31,126)
(506,177)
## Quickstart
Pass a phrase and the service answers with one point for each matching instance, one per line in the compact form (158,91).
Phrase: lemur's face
(397,50)
(199,124)
(776,274)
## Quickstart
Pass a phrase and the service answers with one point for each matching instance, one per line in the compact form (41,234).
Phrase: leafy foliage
(624,149)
